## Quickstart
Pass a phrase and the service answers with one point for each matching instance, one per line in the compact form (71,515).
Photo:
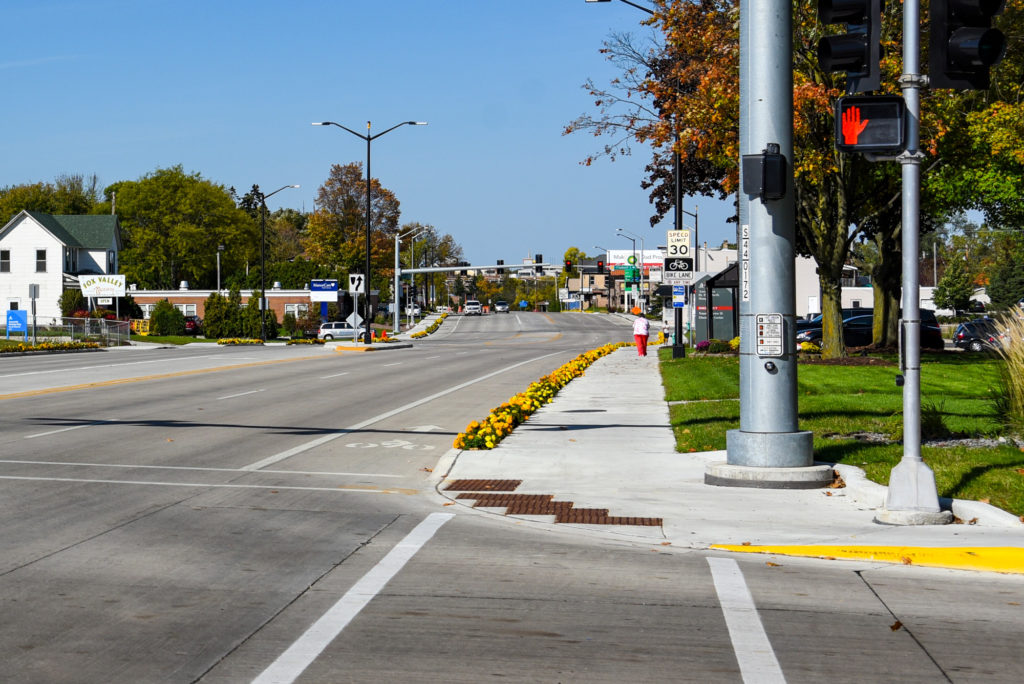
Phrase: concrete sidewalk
(605,443)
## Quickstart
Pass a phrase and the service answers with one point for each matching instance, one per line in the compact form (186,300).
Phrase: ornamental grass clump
(1010,394)
(488,432)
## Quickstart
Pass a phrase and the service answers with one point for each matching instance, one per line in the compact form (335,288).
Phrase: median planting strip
(499,423)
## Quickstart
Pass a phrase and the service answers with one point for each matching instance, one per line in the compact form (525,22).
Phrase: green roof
(89,232)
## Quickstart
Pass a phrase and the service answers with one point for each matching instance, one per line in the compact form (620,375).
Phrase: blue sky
(228,89)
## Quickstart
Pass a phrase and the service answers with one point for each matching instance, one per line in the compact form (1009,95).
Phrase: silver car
(337,330)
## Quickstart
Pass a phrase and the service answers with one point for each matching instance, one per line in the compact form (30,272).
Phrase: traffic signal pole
(912,498)
(767,450)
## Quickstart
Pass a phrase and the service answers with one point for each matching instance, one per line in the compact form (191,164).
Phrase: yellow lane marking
(1009,559)
(144,378)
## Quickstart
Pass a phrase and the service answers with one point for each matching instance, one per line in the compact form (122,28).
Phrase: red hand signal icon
(852,125)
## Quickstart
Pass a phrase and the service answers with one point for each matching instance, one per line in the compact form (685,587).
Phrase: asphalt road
(206,514)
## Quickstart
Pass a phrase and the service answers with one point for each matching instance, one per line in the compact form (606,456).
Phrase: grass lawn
(838,403)
(169,339)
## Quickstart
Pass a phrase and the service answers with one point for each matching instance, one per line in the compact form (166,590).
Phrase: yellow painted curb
(340,348)
(1009,559)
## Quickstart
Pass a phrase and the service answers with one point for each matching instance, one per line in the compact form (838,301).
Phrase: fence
(101,331)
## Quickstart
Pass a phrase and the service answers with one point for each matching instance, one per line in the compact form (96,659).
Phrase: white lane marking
(133,466)
(270,460)
(391,364)
(105,365)
(431,357)
(68,429)
(293,662)
(335,375)
(339,488)
(240,394)
(754,653)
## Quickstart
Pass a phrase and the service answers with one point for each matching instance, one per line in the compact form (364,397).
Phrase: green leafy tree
(575,255)
(1006,279)
(172,223)
(166,319)
(69,194)
(216,315)
(70,301)
(955,288)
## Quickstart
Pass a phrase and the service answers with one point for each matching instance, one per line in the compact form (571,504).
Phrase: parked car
(472,308)
(336,330)
(501,306)
(412,310)
(981,334)
(858,328)
(193,325)
(815,321)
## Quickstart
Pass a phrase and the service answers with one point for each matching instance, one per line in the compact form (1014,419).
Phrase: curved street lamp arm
(404,123)
(345,128)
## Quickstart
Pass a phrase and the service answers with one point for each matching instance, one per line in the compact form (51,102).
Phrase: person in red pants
(641,329)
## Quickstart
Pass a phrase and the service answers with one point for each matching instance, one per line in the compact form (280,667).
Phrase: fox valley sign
(102,285)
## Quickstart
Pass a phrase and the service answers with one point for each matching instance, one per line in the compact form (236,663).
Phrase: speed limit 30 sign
(678,243)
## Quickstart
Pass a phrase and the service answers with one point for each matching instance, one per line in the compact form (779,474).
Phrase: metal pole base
(912,498)
(678,351)
(760,477)
(769,460)
(887,517)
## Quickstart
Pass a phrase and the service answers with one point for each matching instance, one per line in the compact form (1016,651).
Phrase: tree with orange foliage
(684,97)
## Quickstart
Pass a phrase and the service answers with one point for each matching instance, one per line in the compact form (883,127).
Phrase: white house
(51,251)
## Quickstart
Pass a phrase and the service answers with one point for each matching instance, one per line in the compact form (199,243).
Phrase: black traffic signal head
(501,262)
(963,43)
(600,265)
(858,51)
(539,259)
(568,265)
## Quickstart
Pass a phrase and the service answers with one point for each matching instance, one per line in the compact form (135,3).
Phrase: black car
(858,328)
(815,320)
(978,335)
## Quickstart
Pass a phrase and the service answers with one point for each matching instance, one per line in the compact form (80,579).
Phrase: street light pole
(642,250)
(220,248)
(398,270)
(263,249)
(367,335)
(620,234)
